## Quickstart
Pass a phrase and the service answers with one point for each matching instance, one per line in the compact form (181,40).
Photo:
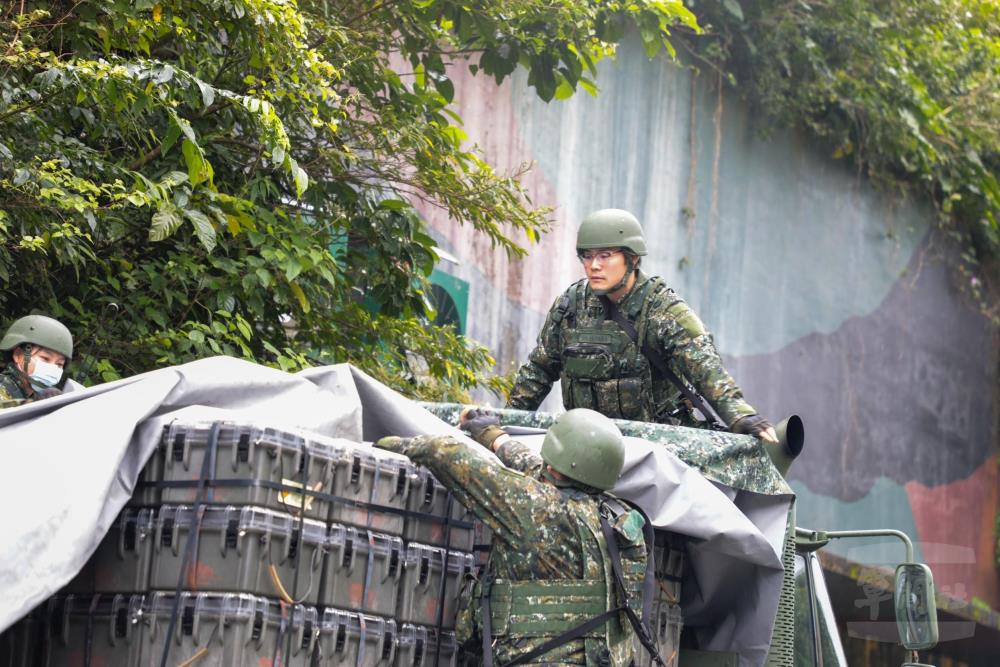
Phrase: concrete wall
(826,298)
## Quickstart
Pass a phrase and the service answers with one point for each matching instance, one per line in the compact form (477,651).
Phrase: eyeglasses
(601,256)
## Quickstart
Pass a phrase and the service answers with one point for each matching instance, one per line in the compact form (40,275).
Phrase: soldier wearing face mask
(36,349)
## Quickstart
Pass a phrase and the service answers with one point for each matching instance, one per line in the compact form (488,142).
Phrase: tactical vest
(542,609)
(602,369)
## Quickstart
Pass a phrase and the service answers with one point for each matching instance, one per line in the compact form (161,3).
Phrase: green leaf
(207,93)
(589,86)
(734,8)
(292,269)
(203,228)
(199,170)
(185,127)
(446,88)
(163,74)
(174,178)
(300,296)
(244,328)
(165,223)
(564,90)
(393,204)
(301,180)
(171,137)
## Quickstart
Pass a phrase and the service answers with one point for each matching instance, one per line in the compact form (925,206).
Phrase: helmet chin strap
(26,357)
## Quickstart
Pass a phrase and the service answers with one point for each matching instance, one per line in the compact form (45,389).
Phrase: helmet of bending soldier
(611,228)
(39,330)
(585,446)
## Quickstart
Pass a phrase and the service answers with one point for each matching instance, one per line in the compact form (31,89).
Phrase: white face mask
(46,374)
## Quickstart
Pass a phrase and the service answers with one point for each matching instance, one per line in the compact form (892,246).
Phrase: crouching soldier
(568,563)
(35,350)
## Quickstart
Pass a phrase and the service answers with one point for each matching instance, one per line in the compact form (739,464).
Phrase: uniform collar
(631,305)
(567,485)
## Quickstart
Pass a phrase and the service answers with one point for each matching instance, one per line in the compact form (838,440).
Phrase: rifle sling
(658,362)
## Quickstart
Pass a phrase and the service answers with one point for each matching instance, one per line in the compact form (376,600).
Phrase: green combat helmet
(611,228)
(39,330)
(585,446)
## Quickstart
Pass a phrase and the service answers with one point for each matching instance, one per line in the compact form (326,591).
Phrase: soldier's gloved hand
(756,426)
(484,428)
(393,443)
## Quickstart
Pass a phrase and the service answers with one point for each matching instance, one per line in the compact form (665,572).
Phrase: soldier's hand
(756,426)
(484,428)
(392,443)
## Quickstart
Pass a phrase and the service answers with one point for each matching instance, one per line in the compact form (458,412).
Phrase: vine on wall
(908,91)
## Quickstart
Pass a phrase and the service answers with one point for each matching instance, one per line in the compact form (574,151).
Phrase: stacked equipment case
(222,560)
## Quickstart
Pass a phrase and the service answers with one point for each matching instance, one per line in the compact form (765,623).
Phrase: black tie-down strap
(641,630)
(660,364)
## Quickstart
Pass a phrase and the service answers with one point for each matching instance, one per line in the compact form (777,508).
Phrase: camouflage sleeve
(507,501)
(10,394)
(534,379)
(689,348)
(518,456)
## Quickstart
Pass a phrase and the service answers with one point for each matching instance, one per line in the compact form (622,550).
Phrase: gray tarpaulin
(70,464)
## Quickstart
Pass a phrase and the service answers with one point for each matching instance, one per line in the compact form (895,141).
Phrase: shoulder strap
(659,363)
(640,626)
(618,506)
(566,303)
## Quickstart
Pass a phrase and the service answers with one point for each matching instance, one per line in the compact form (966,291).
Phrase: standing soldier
(568,561)
(624,344)
(35,349)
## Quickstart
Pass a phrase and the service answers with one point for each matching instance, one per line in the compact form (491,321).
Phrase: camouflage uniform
(14,387)
(542,533)
(602,369)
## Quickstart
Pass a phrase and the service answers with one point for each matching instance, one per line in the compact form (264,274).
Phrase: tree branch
(142,161)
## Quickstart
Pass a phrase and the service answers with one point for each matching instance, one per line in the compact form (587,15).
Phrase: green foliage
(908,90)
(193,177)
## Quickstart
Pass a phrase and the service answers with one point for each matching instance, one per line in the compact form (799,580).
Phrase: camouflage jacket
(540,532)
(14,387)
(618,380)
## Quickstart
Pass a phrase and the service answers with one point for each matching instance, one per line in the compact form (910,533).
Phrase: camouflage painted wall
(826,298)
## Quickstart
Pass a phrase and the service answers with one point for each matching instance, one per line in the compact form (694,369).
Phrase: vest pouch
(578,394)
(500,608)
(622,398)
(588,361)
